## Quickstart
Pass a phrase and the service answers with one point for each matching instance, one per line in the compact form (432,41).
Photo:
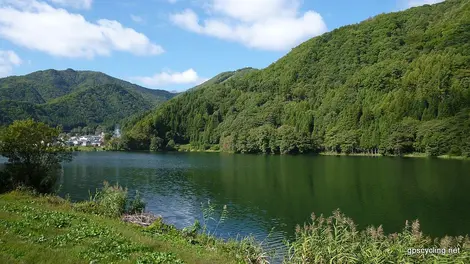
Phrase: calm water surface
(266,192)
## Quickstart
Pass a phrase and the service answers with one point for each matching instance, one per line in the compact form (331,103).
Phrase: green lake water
(271,194)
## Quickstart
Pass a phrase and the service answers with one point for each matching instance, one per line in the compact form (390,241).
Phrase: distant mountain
(395,83)
(74,98)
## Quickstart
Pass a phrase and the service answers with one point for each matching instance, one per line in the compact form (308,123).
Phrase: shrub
(113,199)
(137,205)
(110,201)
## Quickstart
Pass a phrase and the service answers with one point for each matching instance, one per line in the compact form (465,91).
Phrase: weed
(208,216)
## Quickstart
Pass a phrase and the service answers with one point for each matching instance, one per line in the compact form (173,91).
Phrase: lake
(271,194)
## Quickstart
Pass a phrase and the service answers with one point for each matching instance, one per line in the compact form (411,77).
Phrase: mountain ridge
(48,95)
(396,83)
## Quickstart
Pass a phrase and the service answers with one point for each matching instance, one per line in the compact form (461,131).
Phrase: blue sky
(167,44)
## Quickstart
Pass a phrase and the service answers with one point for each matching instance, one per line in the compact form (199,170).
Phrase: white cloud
(137,19)
(413,3)
(167,77)
(79,4)
(262,24)
(39,26)
(8,60)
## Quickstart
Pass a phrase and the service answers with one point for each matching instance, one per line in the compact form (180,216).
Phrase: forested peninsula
(394,84)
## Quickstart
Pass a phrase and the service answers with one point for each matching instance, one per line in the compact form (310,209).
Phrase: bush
(137,205)
(111,201)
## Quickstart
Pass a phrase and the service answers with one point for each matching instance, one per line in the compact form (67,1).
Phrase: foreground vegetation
(48,229)
(336,240)
(394,84)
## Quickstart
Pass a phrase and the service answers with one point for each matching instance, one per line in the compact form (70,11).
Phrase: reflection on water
(263,192)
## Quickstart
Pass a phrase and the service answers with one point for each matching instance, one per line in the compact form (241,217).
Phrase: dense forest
(74,98)
(396,83)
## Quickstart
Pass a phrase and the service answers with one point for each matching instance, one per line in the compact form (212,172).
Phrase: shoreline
(186,148)
(40,226)
(410,155)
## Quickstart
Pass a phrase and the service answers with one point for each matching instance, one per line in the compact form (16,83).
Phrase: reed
(335,239)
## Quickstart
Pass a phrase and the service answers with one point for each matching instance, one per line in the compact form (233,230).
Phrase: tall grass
(243,249)
(111,201)
(335,239)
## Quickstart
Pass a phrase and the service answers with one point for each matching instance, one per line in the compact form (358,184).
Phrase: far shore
(410,155)
(187,148)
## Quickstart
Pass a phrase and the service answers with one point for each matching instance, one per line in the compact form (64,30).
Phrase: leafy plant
(158,258)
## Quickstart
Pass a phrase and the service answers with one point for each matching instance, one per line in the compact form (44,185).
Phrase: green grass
(47,229)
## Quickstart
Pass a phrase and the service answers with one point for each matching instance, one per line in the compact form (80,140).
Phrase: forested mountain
(74,98)
(225,76)
(396,83)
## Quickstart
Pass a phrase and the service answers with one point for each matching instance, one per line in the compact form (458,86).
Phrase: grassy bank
(49,229)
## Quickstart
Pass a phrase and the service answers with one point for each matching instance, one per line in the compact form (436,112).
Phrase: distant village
(90,140)
(86,141)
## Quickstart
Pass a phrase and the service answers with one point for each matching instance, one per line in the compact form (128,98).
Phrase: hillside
(396,83)
(225,76)
(74,98)
(43,86)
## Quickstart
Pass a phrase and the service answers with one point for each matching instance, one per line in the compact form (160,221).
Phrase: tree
(171,145)
(107,137)
(34,153)
(156,144)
